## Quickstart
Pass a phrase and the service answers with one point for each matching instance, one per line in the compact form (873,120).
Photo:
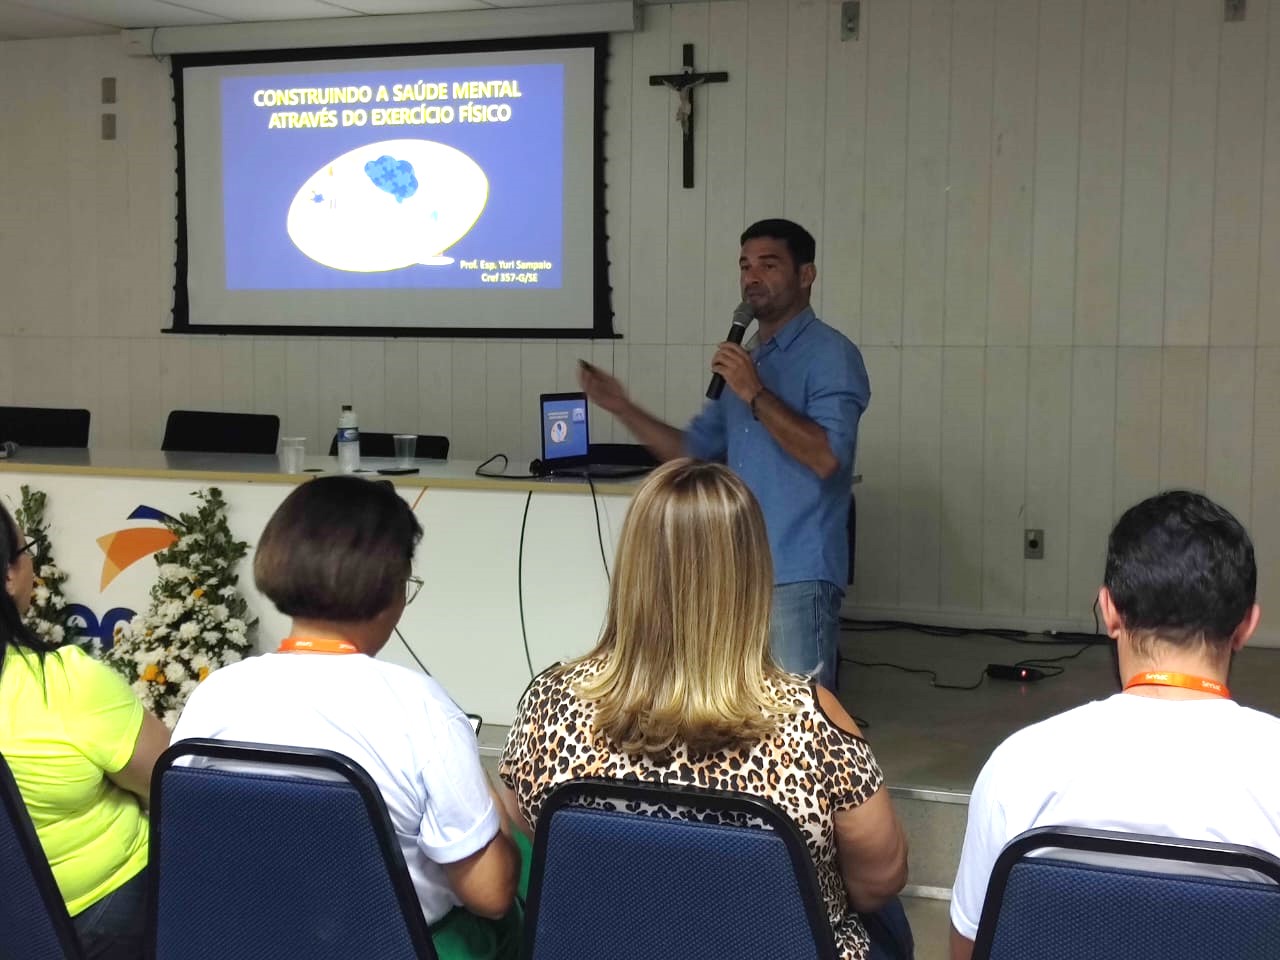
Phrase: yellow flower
(39,581)
(151,672)
(198,592)
(204,672)
(160,678)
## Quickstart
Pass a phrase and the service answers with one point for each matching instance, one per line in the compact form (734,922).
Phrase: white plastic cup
(406,448)
(293,452)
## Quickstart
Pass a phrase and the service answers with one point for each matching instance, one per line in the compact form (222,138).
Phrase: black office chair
(384,445)
(622,454)
(206,431)
(254,855)
(45,426)
(34,923)
(1042,906)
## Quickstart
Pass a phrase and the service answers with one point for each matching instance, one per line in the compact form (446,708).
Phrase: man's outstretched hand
(603,389)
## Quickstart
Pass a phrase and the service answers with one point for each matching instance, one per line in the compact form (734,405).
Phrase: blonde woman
(681,687)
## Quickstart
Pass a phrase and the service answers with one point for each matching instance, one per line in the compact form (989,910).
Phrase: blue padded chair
(34,924)
(1053,908)
(209,431)
(273,853)
(629,885)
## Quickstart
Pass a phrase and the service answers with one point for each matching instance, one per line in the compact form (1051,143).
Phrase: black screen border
(602,299)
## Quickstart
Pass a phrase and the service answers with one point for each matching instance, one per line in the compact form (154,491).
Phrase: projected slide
(437,178)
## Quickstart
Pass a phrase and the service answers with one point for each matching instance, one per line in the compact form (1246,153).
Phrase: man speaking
(788,425)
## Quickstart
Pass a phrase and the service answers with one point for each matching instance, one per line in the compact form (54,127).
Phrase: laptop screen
(564,428)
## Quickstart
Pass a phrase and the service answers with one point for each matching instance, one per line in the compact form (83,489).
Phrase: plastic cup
(406,448)
(293,451)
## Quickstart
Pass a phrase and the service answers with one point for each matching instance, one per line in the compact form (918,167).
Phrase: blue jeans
(890,933)
(112,928)
(805,630)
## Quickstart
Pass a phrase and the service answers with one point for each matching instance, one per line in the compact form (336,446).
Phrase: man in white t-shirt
(337,558)
(1172,754)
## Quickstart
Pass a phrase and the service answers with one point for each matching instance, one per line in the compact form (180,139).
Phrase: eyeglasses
(411,587)
(32,543)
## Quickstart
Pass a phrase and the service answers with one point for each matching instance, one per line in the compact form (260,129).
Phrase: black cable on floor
(599,532)
(411,653)
(524,635)
(932,674)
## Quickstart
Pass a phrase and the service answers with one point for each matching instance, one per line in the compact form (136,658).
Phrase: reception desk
(491,610)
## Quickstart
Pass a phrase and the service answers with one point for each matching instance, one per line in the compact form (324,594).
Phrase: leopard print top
(809,767)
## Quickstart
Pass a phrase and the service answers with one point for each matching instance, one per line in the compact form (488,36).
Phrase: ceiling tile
(415,6)
(247,11)
(19,21)
(129,13)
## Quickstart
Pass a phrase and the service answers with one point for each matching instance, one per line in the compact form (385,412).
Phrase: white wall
(1043,222)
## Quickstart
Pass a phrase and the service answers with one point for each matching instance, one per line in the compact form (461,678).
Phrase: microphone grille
(743,314)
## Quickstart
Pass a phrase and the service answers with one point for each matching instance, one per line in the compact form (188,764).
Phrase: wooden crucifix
(683,83)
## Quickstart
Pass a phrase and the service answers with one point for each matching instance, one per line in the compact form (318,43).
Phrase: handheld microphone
(742,316)
(8,450)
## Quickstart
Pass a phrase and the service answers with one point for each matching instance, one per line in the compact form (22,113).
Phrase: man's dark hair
(1180,567)
(337,548)
(799,241)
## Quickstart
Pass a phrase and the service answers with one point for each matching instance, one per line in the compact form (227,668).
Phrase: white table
(465,626)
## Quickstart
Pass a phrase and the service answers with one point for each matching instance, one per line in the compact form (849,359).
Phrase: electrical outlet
(1032,544)
(850,19)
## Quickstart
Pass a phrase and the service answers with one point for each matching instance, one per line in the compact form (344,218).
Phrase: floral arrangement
(196,619)
(48,615)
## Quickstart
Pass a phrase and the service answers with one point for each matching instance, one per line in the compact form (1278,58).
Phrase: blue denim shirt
(817,372)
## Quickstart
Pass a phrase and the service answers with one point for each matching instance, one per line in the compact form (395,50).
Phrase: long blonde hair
(685,644)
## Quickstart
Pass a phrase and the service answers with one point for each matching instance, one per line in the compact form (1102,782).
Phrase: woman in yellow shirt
(81,748)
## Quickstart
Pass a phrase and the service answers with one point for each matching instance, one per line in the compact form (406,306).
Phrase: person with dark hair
(337,557)
(81,748)
(788,425)
(1172,754)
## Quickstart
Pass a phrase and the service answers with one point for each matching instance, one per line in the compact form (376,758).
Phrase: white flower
(229,591)
(219,613)
(173,571)
(194,558)
(201,661)
(57,601)
(175,672)
(231,656)
(141,688)
(47,572)
(170,718)
(189,630)
(41,596)
(169,611)
(56,633)
(234,625)
(211,636)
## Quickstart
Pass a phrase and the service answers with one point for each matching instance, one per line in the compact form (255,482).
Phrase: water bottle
(348,440)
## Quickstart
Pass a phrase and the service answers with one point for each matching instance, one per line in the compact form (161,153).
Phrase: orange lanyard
(1159,678)
(316,645)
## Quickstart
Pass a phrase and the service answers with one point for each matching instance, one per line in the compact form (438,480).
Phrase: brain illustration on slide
(388,205)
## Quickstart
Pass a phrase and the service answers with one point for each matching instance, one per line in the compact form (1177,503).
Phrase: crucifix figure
(683,83)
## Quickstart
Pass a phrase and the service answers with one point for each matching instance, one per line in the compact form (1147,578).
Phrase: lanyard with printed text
(316,645)
(1161,678)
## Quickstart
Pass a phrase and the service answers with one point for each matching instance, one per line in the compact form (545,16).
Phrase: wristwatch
(759,393)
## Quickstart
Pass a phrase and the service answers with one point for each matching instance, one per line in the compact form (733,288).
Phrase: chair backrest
(384,445)
(44,426)
(207,431)
(622,883)
(1157,903)
(299,860)
(622,454)
(34,924)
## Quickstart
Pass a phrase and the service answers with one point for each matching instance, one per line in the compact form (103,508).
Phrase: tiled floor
(926,737)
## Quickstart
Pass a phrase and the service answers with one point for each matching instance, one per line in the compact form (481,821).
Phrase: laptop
(567,450)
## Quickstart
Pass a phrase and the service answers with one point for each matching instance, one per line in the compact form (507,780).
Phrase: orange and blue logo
(123,548)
